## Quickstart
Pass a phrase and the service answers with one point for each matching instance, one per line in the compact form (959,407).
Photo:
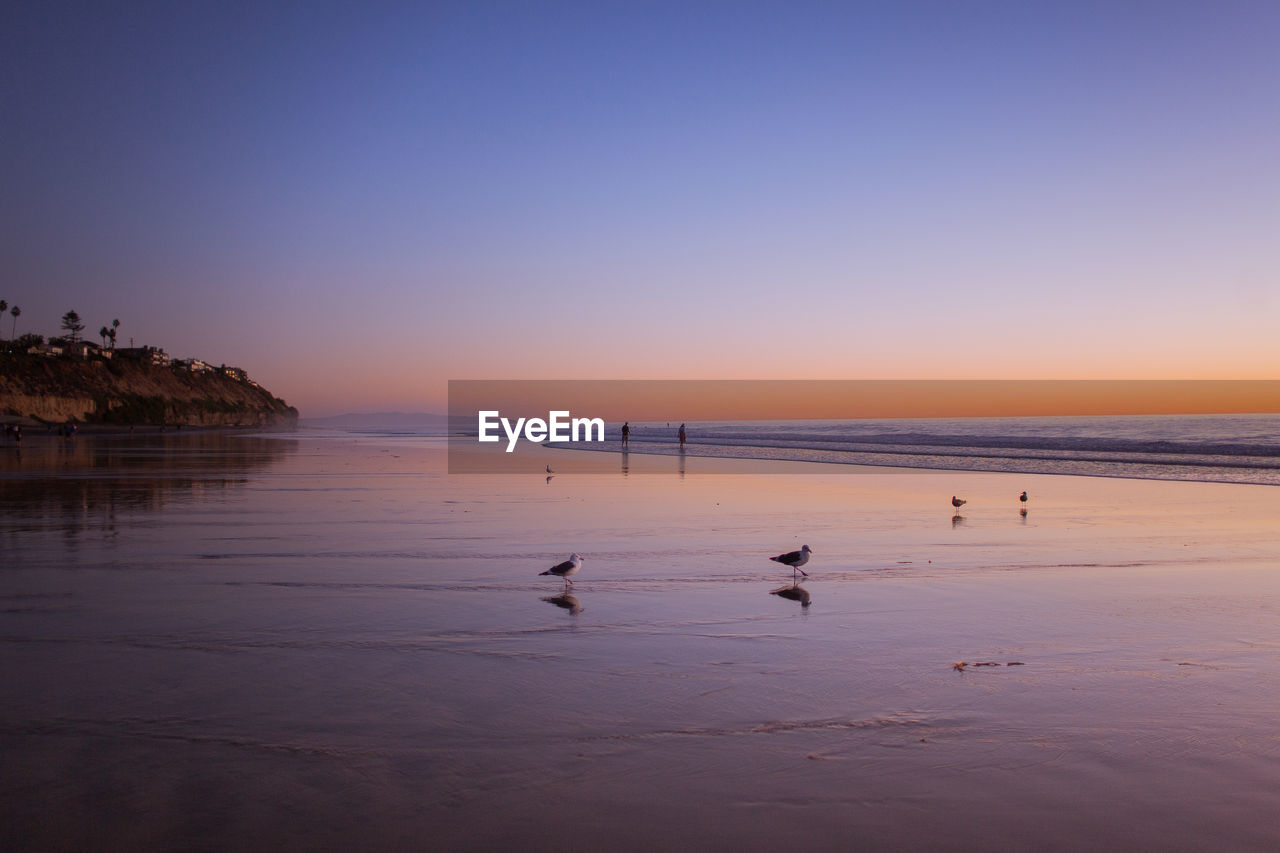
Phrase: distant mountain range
(370,420)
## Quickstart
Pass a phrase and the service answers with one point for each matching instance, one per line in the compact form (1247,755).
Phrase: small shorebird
(1023,497)
(563,570)
(957,502)
(549,471)
(795,559)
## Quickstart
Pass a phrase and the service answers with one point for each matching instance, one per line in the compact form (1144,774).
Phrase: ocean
(1203,448)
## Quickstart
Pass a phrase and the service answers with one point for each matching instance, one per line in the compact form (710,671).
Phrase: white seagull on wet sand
(957,502)
(795,559)
(563,570)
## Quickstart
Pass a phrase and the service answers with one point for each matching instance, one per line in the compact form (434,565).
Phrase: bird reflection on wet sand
(567,601)
(794,592)
(957,520)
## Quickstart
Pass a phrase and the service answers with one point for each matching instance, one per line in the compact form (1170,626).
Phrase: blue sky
(357,202)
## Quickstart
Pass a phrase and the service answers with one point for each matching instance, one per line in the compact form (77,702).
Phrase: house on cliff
(45,350)
(194,365)
(82,349)
(146,355)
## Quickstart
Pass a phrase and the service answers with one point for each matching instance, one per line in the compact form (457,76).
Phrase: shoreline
(467,457)
(836,464)
(462,458)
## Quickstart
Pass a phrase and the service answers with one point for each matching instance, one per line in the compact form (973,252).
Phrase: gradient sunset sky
(359,201)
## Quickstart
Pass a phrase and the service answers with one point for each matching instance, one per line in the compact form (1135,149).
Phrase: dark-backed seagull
(957,502)
(549,471)
(795,560)
(1023,497)
(563,570)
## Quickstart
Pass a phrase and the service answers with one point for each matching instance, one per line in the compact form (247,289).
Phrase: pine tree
(71,323)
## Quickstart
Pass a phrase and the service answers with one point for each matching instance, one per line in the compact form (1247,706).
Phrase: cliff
(118,392)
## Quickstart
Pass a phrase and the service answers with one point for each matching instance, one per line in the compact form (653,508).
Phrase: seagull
(563,570)
(549,471)
(957,502)
(795,560)
(1023,497)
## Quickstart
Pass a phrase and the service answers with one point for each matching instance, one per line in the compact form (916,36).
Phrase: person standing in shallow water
(626,433)
(681,434)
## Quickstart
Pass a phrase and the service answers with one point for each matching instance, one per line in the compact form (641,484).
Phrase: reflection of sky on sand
(78,486)
(347,631)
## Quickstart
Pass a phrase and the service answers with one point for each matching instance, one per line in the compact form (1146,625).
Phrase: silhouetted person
(626,433)
(681,434)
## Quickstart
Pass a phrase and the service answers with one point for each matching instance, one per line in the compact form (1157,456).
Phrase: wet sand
(332,643)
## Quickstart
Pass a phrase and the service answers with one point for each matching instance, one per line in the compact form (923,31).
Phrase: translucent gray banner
(1225,431)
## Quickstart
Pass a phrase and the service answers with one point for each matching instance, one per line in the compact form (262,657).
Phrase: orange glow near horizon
(700,400)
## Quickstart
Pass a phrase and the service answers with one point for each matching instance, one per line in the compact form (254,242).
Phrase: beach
(225,641)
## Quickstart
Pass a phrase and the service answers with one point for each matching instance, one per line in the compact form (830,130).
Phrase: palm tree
(102,333)
(4,306)
(15,311)
(111,333)
(115,324)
